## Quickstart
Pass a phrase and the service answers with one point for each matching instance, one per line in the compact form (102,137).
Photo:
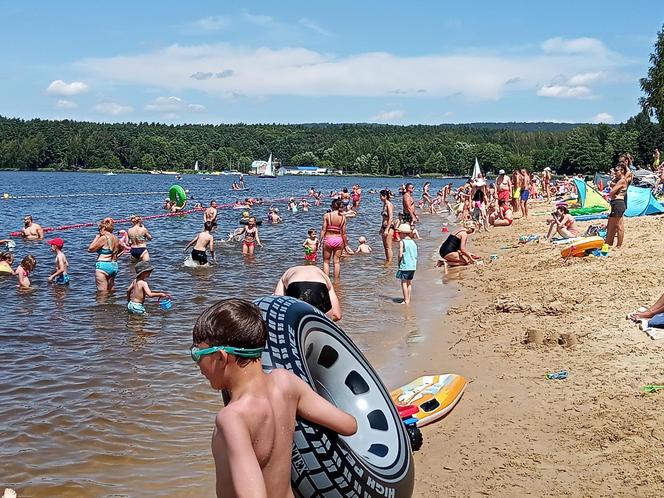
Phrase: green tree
(653,84)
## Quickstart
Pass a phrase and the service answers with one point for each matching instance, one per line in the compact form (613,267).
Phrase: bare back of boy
(253,436)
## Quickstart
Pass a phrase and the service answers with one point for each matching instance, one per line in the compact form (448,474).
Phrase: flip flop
(651,388)
(630,316)
(562,375)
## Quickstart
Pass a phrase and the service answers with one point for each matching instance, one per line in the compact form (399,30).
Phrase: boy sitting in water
(253,435)
(363,248)
(139,289)
(60,276)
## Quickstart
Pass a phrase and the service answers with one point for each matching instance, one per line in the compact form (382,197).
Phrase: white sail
(476,170)
(268,168)
(196,166)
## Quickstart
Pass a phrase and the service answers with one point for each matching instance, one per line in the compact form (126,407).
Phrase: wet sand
(516,433)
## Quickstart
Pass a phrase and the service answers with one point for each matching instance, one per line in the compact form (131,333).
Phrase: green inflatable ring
(177,195)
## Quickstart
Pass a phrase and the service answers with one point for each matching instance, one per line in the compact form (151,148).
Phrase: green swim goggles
(197,353)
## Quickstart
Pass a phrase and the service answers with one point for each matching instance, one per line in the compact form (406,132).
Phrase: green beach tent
(590,200)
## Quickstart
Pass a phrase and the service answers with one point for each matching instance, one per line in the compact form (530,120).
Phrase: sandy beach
(520,317)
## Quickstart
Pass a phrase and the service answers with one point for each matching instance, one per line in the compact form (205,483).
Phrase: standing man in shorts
(525,191)
(409,204)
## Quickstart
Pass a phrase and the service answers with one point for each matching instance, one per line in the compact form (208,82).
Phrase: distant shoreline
(189,173)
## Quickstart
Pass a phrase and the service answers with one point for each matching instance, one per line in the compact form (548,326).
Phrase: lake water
(94,402)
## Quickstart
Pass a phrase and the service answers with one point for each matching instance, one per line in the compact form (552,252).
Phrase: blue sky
(344,61)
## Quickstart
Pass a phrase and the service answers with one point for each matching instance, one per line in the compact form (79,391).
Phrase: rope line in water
(150,217)
(7,196)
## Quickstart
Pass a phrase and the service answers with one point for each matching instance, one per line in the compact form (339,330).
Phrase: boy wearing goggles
(253,434)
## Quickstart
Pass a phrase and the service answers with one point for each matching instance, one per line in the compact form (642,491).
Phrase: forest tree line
(354,148)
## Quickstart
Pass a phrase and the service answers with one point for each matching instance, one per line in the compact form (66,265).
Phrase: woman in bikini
(138,237)
(386,224)
(563,223)
(311,285)
(454,252)
(334,237)
(615,226)
(251,238)
(107,247)
(356,197)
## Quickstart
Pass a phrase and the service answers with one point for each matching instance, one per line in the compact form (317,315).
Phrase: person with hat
(60,276)
(31,230)
(139,289)
(407,260)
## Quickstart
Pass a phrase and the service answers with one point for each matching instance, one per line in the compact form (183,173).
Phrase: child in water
(407,261)
(60,276)
(23,271)
(6,262)
(139,289)
(251,237)
(311,245)
(363,248)
(253,435)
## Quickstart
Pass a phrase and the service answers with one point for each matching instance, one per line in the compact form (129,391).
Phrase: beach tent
(590,200)
(641,201)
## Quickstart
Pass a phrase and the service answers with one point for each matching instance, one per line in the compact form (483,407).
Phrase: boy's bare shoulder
(286,380)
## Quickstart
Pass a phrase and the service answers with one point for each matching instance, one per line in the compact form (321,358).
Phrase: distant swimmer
(210,213)
(31,230)
(202,242)
(107,247)
(139,235)
(309,284)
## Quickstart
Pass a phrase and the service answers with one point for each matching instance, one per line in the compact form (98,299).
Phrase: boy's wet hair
(208,226)
(311,231)
(7,256)
(232,322)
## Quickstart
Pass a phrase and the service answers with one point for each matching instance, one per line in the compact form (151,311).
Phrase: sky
(418,62)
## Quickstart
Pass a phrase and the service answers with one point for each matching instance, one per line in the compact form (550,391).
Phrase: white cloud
(585,79)
(304,72)
(261,20)
(59,87)
(387,116)
(172,105)
(65,104)
(212,23)
(603,117)
(575,46)
(314,26)
(113,108)
(565,92)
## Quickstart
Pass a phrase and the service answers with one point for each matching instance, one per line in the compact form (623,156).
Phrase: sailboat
(477,172)
(269,170)
(196,167)
(477,178)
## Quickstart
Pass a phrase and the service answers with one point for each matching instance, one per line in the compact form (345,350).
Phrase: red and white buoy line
(229,205)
